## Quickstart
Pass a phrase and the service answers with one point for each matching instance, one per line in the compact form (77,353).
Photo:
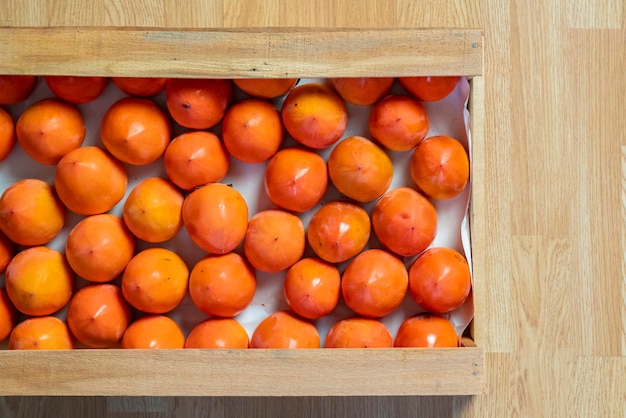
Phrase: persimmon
(265,88)
(274,240)
(358,333)
(7,315)
(216,218)
(252,130)
(198,103)
(31,213)
(49,129)
(314,115)
(312,288)
(155,280)
(222,285)
(6,252)
(338,231)
(153,332)
(430,88)
(39,281)
(77,90)
(404,221)
(153,210)
(362,91)
(296,179)
(196,158)
(374,283)
(399,122)
(135,131)
(218,333)
(140,86)
(99,247)
(89,181)
(426,331)
(98,315)
(360,169)
(439,280)
(283,329)
(16,88)
(440,167)
(41,333)
(7,134)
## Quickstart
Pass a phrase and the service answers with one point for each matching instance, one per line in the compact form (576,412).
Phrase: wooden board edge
(240,53)
(326,372)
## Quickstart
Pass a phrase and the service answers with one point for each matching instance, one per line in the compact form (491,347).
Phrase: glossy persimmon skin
(7,249)
(218,333)
(312,288)
(8,315)
(398,123)
(8,137)
(283,329)
(41,333)
(16,88)
(404,221)
(440,167)
(98,315)
(265,88)
(358,332)
(135,131)
(362,91)
(440,280)
(153,332)
(426,331)
(198,103)
(429,88)
(140,86)
(77,90)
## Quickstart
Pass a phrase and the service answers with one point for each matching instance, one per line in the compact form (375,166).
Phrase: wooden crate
(257,53)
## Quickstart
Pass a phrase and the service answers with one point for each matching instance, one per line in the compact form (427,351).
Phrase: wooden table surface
(555,337)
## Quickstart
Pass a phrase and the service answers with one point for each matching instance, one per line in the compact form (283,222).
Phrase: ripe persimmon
(312,288)
(140,86)
(222,285)
(7,315)
(198,103)
(16,88)
(90,181)
(98,315)
(274,240)
(216,217)
(283,329)
(153,332)
(77,90)
(7,134)
(265,88)
(39,281)
(218,333)
(429,89)
(426,331)
(314,115)
(6,252)
(41,333)
(359,333)
(99,247)
(49,129)
(360,169)
(374,283)
(153,210)
(362,90)
(296,179)
(155,280)
(196,158)
(439,280)
(31,213)
(404,221)
(440,167)
(399,122)
(252,130)
(135,131)
(338,231)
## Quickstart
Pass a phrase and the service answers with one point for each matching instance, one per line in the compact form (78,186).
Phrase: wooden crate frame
(266,52)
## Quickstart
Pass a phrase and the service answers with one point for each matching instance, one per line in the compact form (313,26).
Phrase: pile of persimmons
(125,294)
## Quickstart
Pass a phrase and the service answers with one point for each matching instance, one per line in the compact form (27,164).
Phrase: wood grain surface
(555,333)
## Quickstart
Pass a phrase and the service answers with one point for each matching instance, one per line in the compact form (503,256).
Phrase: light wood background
(555,338)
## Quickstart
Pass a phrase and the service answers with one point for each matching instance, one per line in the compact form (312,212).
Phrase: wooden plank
(326,372)
(235,53)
